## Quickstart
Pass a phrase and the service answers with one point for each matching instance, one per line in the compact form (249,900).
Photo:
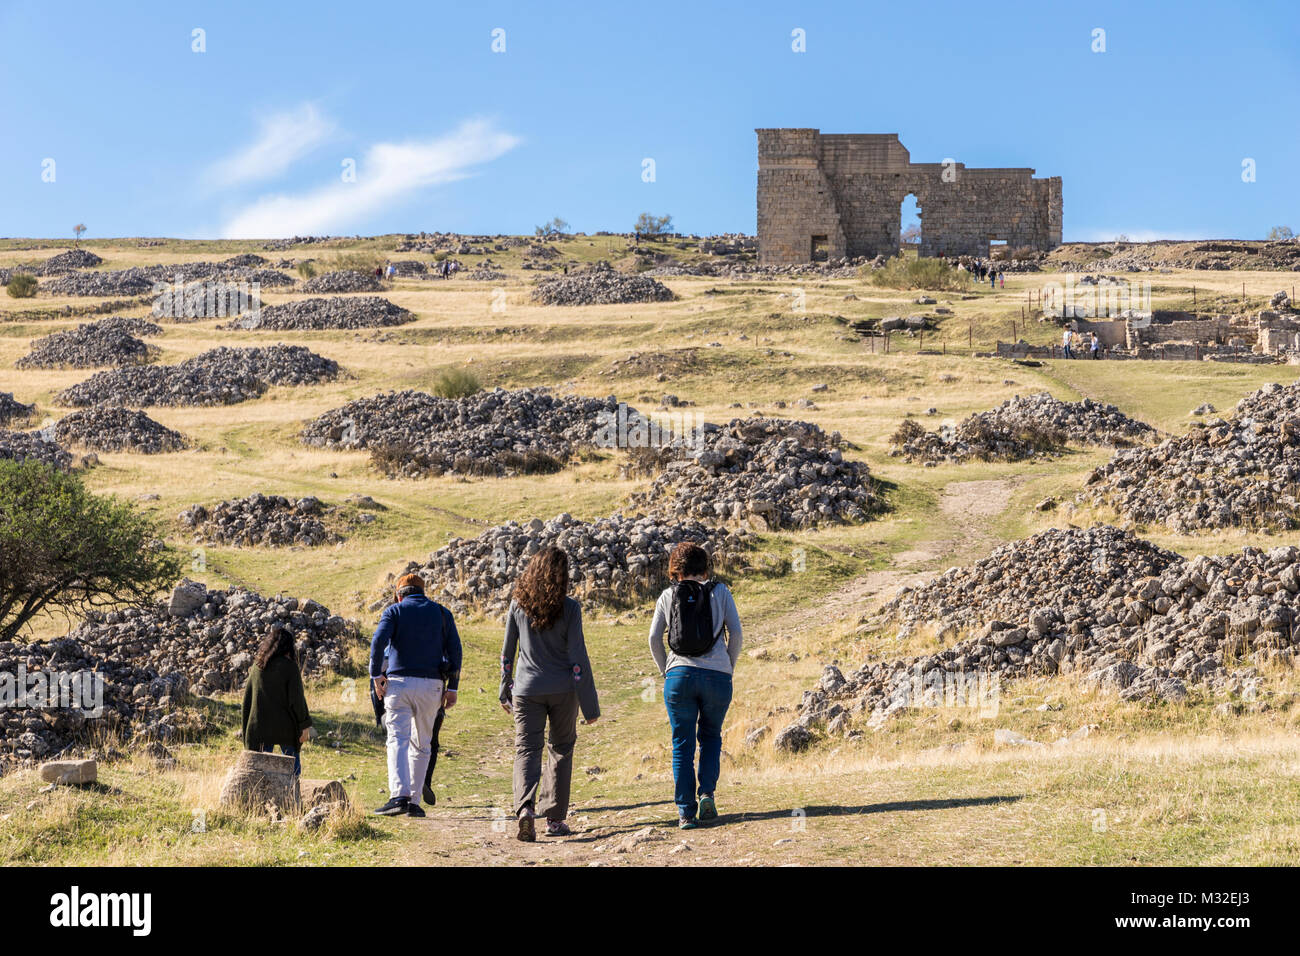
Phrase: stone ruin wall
(849,188)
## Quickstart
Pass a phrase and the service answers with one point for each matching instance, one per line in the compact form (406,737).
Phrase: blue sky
(249,137)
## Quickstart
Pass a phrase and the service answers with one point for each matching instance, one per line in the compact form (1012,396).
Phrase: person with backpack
(424,644)
(548,684)
(275,706)
(694,613)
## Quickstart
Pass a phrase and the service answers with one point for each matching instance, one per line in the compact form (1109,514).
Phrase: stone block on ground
(259,779)
(77,772)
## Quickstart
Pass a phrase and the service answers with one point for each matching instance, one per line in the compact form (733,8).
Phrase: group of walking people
(546,683)
(1074,344)
(981,269)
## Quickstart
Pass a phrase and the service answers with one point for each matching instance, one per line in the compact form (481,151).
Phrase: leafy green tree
(63,548)
(648,224)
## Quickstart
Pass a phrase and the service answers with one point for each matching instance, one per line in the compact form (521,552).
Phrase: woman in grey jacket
(549,683)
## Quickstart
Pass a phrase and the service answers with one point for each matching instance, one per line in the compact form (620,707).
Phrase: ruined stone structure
(828,196)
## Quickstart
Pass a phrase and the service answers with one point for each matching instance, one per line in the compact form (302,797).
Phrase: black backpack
(690,620)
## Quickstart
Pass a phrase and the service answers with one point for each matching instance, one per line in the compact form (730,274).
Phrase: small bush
(457,383)
(910,429)
(307,270)
(909,273)
(364,262)
(22,285)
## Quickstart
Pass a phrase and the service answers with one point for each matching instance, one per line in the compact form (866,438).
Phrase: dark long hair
(541,589)
(278,640)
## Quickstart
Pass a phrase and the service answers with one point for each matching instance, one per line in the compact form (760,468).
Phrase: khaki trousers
(532,715)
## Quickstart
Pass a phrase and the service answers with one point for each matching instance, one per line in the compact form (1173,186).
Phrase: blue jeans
(288,752)
(697,701)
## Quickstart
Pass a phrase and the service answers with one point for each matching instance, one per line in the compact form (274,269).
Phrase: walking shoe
(395,807)
(527,828)
(430,797)
(414,810)
(708,809)
(557,828)
(686,823)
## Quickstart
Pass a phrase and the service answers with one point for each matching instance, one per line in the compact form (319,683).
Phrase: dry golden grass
(934,789)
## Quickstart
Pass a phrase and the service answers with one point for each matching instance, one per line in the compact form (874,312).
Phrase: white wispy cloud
(282,140)
(387,173)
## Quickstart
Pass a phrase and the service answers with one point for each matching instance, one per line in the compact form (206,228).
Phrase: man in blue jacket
(424,644)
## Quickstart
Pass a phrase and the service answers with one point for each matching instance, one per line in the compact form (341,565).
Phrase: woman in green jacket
(275,707)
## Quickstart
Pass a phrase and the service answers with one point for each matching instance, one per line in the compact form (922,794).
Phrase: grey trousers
(532,714)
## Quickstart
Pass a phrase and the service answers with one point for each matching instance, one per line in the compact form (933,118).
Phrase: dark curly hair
(277,641)
(688,560)
(540,590)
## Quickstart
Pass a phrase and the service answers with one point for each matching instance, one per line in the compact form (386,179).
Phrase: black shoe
(395,807)
(430,797)
(414,810)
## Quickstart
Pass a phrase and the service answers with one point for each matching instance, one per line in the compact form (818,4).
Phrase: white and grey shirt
(724,653)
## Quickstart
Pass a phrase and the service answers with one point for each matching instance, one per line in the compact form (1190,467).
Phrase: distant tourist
(548,684)
(275,707)
(409,681)
(1002,279)
(1095,345)
(1065,344)
(391,270)
(694,613)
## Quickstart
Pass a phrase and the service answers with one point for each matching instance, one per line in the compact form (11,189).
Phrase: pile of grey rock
(143,280)
(617,560)
(136,702)
(22,446)
(152,660)
(69,261)
(768,472)
(336,312)
(1021,428)
(245,260)
(134,281)
(112,428)
(485,272)
(498,432)
(1123,616)
(1241,471)
(14,412)
(108,343)
(1059,568)
(600,286)
(347,280)
(221,376)
(262,520)
(409,267)
(209,637)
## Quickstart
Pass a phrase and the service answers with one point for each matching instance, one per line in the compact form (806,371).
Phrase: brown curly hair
(541,589)
(688,560)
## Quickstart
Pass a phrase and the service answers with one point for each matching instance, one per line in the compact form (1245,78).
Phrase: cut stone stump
(257,779)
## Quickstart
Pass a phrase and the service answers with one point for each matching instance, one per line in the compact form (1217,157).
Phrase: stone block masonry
(829,196)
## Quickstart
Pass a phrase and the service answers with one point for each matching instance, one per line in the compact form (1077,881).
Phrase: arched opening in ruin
(909,235)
